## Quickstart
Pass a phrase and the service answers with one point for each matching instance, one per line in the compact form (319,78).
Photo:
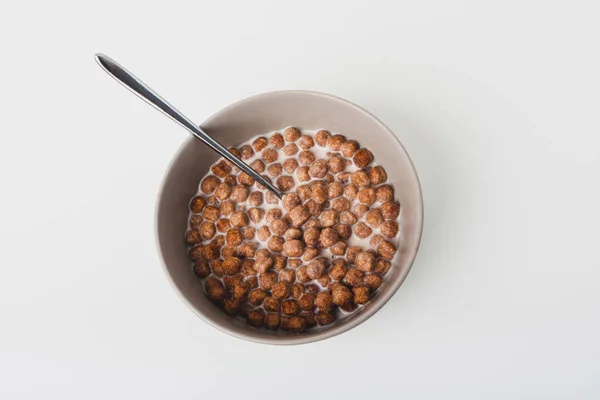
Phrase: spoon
(143,91)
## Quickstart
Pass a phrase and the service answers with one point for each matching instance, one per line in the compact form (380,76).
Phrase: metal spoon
(142,90)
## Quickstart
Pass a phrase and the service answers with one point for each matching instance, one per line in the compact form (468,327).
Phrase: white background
(496,102)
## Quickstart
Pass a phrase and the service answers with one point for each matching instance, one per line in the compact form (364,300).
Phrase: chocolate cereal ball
(233,237)
(230,180)
(306,157)
(311,236)
(302,274)
(209,184)
(324,301)
(376,240)
(193,237)
(210,252)
(344,177)
(217,294)
(240,291)
(340,204)
(252,281)
(270,197)
(390,210)
(231,265)
(349,147)
(293,248)
(318,169)
(231,281)
(344,231)
(352,252)
(350,191)
(360,210)
(362,158)
(272,320)
(293,233)
(246,179)
(291,200)
(365,261)
(377,175)
(211,213)
(273,214)
(360,179)
(339,249)
(325,318)
(386,250)
(321,137)
(374,218)
(287,275)
(290,165)
(354,277)
(196,253)
(255,318)
(361,294)
(279,262)
(382,267)
(247,250)
(285,183)
(228,252)
(258,166)
(389,228)
(297,290)
(276,141)
(306,142)
(260,143)
(341,295)
(316,268)
(201,269)
(335,189)
(267,280)
(263,261)
(366,196)
(336,164)
(239,219)
(290,149)
(290,307)
(280,290)
(385,193)
(314,209)
(263,233)
(227,207)
(231,306)
(309,254)
(304,192)
(196,221)
(239,193)
(373,281)
(362,231)
(297,324)
(309,318)
(307,302)
(256,297)
(275,170)
(338,269)
(248,233)
(221,169)
(246,151)
(328,237)
(348,217)
(197,204)
(269,155)
(319,192)
(312,223)
(335,142)
(275,243)
(223,225)
(291,134)
(302,174)
(299,215)
(329,218)
(278,226)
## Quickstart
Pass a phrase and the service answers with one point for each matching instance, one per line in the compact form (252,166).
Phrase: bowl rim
(327,333)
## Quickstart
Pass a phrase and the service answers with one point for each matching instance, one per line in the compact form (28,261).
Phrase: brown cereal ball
(344,231)
(324,301)
(307,302)
(201,269)
(285,183)
(312,223)
(348,217)
(279,262)
(311,236)
(272,304)
(360,210)
(231,265)
(290,149)
(328,237)
(316,269)
(240,291)
(335,189)
(193,236)
(365,261)
(341,295)
(246,151)
(212,282)
(256,214)
(196,253)
(302,174)
(275,169)
(260,143)
(217,268)
(329,218)
(350,191)
(376,240)
(246,179)
(231,306)
(271,198)
(293,248)
(293,233)
(306,142)
(361,294)
(287,275)
(267,280)
(276,141)
(239,193)
(227,207)
(336,164)
(349,147)
(324,281)
(377,175)
(223,225)
(389,228)
(386,250)
(297,324)
(290,307)
(318,169)
(362,158)
(278,226)
(221,169)
(354,277)
(310,253)
(290,165)
(285,323)
(219,240)
(312,288)
(247,250)
(382,267)
(313,208)
(385,193)
(302,275)
(360,179)
(366,196)
(352,252)
(309,318)
(374,218)
(329,178)
(255,318)
(344,177)
(325,318)
(269,155)
(275,243)
(321,137)
(209,184)
(303,192)
(373,281)
(230,180)
(297,290)
(272,321)
(306,157)
(228,251)
(335,142)
(217,294)
(340,204)
(319,192)
(212,200)
(255,199)
(252,281)
(196,221)
(339,249)
(197,204)
(280,290)
(273,214)
(263,261)
(211,213)
(258,166)
(291,134)
(257,296)
(349,307)
(299,215)
(390,210)
(233,237)
(338,269)
(263,233)
(232,280)
(239,219)
(210,252)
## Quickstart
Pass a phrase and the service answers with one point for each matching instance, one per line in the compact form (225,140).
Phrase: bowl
(258,115)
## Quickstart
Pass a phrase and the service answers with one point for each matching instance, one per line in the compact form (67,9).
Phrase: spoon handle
(142,90)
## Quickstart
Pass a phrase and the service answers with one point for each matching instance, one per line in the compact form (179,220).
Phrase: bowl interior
(258,115)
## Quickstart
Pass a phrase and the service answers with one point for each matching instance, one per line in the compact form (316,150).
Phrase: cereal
(280,290)
(270,198)
(360,210)
(258,166)
(310,253)
(328,237)
(323,301)
(390,210)
(316,269)
(361,294)
(341,295)
(291,200)
(297,324)
(290,165)
(297,290)
(293,233)
(267,280)
(287,275)
(366,196)
(256,214)
(279,262)
(272,320)
(385,193)
(338,269)
(335,142)
(382,267)
(209,184)
(360,179)
(293,248)
(260,143)
(299,215)
(306,157)
(211,213)
(221,170)
(275,243)
(196,221)
(227,207)
(306,142)
(290,307)
(344,231)
(285,183)
(362,158)
(389,228)
(376,240)
(247,250)
(270,155)
(318,169)
(302,274)
(365,261)
(239,219)
(290,149)
(223,225)
(321,137)
(344,177)
(276,141)
(193,237)
(373,281)
(354,277)
(340,204)
(201,269)
(336,164)
(339,249)
(348,148)
(386,250)
(377,175)
(348,217)
(291,134)
(325,318)
(233,237)
(197,204)
(255,318)
(275,170)
(374,218)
